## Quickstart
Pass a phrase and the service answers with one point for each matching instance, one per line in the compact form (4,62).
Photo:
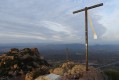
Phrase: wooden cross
(86,27)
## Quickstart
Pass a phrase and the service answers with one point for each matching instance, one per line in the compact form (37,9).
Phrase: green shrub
(112,74)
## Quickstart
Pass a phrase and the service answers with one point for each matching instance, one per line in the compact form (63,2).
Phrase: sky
(52,21)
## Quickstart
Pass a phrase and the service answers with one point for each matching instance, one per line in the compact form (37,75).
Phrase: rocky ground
(26,64)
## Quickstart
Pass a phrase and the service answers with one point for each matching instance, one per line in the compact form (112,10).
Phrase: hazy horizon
(55,43)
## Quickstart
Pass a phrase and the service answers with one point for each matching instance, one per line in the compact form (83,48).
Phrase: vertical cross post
(86,36)
(86,27)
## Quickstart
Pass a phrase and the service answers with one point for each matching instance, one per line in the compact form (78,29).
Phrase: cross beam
(91,7)
(86,27)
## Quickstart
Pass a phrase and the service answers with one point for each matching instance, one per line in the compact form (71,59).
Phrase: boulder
(49,77)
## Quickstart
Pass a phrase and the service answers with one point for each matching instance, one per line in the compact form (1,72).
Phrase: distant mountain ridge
(73,46)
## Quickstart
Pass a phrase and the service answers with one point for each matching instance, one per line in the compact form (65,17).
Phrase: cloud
(55,26)
(110,21)
(45,21)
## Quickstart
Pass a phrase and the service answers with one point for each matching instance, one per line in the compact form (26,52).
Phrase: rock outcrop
(72,71)
(21,62)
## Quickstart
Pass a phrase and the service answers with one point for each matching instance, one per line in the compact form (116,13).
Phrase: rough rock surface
(72,71)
